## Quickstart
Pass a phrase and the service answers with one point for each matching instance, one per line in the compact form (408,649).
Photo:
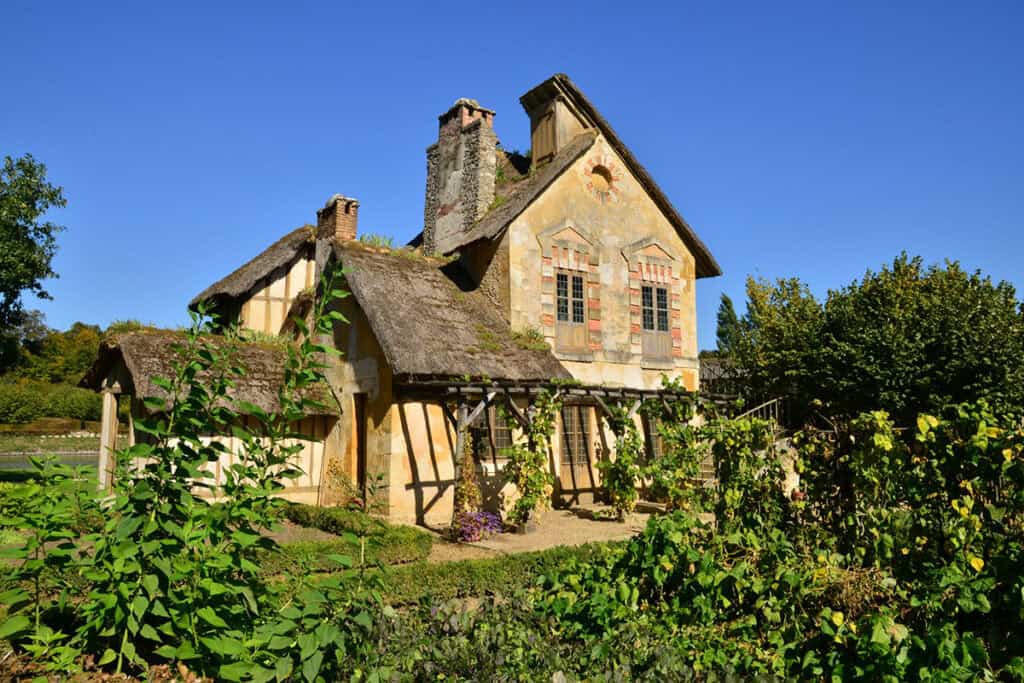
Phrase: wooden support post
(459,454)
(108,442)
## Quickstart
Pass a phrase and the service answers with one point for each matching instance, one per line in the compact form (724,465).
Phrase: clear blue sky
(799,139)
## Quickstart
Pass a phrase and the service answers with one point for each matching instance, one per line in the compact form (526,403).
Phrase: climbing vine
(620,476)
(527,466)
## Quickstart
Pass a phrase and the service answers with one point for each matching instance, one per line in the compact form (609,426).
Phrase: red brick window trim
(655,303)
(570,293)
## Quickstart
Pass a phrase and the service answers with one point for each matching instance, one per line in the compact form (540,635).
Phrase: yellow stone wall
(613,227)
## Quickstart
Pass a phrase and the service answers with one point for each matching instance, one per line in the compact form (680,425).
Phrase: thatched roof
(278,256)
(137,357)
(430,323)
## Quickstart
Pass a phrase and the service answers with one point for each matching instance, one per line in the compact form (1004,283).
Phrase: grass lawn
(10,443)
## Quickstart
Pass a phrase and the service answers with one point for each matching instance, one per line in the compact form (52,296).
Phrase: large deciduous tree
(906,338)
(27,242)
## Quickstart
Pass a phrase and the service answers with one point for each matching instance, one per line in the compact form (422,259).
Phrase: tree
(62,357)
(27,243)
(905,339)
(23,339)
(728,323)
(777,345)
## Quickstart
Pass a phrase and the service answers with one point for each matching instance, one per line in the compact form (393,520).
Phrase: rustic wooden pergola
(464,400)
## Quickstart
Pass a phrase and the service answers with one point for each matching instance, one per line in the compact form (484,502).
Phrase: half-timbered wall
(267,309)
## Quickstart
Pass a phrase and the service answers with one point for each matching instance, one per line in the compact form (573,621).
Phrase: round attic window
(601,179)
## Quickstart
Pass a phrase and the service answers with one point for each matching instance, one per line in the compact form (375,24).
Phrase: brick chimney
(337,220)
(460,174)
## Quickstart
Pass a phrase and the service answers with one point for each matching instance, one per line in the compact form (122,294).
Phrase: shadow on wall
(429,486)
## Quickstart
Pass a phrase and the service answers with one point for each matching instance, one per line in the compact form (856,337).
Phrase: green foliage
(905,339)
(531,339)
(728,325)
(172,576)
(505,575)
(674,477)
(358,533)
(902,560)
(62,357)
(371,239)
(527,465)
(27,243)
(23,401)
(620,477)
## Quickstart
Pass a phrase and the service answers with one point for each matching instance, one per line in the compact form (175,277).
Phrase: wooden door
(576,473)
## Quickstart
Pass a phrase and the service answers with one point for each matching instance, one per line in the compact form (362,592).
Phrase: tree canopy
(728,324)
(907,338)
(27,243)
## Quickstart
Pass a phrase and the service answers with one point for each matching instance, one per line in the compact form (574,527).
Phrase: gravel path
(557,527)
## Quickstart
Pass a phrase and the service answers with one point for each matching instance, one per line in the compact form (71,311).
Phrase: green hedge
(24,401)
(436,582)
(384,543)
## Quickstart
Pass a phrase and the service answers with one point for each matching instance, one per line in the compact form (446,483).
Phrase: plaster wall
(618,228)
(267,309)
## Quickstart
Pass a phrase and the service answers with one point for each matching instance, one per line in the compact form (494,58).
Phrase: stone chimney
(337,220)
(460,174)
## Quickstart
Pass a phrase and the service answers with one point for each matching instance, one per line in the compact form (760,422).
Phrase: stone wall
(461,168)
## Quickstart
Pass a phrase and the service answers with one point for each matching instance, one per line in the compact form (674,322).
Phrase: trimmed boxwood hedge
(385,543)
(423,582)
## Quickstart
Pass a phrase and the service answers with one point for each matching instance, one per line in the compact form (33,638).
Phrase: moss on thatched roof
(138,357)
(431,323)
(263,267)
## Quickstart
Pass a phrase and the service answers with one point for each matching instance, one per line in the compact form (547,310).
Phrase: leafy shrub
(527,466)
(903,560)
(20,403)
(23,401)
(434,583)
(392,542)
(172,577)
(397,545)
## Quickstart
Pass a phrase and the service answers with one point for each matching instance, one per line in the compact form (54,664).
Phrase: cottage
(569,264)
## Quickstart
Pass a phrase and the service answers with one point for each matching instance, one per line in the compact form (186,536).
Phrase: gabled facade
(569,264)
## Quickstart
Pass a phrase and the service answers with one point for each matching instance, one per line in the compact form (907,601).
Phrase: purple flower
(474,526)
